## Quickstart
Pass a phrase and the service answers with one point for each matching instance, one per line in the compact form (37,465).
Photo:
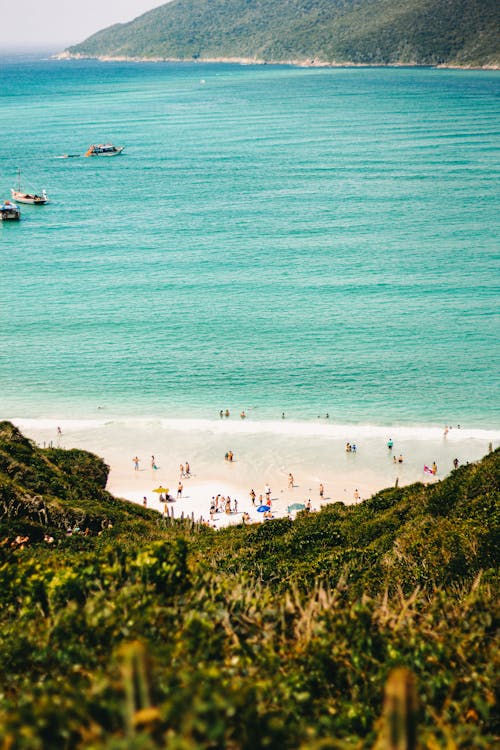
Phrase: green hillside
(120,630)
(373,32)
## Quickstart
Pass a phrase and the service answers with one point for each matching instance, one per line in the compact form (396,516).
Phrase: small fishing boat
(9,211)
(106,149)
(37,199)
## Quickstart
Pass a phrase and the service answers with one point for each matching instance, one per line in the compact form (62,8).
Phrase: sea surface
(273,239)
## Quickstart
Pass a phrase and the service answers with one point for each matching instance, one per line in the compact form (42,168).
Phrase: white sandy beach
(264,453)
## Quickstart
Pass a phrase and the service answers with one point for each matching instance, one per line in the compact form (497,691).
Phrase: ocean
(273,239)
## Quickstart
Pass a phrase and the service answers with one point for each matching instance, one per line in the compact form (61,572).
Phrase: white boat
(9,211)
(20,196)
(106,149)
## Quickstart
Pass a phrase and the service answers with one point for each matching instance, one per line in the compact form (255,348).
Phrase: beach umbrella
(161,489)
(296,506)
(262,508)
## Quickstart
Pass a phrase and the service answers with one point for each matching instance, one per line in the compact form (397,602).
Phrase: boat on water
(106,149)
(19,195)
(9,211)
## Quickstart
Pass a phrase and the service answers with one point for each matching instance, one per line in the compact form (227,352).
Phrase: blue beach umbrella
(262,508)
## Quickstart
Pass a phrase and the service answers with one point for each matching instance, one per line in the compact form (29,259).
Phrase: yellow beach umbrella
(161,489)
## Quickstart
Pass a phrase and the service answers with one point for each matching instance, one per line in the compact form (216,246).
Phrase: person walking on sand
(181,471)
(252,496)
(290,480)
(187,470)
(179,490)
(356,495)
(434,468)
(153,463)
(321,491)
(455,463)
(145,501)
(308,506)
(267,491)
(136,463)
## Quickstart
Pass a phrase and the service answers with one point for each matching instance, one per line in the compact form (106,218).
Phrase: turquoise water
(273,239)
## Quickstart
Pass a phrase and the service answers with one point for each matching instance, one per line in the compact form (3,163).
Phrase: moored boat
(9,211)
(106,149)
(37,199)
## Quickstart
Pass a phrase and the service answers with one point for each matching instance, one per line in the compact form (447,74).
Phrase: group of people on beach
(262,502)
(221,504)
(427,469)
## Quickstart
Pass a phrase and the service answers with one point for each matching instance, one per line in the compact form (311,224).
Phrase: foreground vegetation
(369,32)
(125,632)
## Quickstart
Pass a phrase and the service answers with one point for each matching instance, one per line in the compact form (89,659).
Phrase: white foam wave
(285,428)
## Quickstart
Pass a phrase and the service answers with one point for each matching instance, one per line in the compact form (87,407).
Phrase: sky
(55,24)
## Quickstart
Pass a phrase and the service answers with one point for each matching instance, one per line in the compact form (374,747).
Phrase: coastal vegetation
(120,629)
(366,32)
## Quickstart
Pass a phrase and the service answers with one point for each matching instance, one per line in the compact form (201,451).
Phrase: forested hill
(122,630)
(367,32)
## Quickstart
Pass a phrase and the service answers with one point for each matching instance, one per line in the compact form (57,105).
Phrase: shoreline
(264,453)
(310,63)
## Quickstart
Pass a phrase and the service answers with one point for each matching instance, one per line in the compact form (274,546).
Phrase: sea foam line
(285,428)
